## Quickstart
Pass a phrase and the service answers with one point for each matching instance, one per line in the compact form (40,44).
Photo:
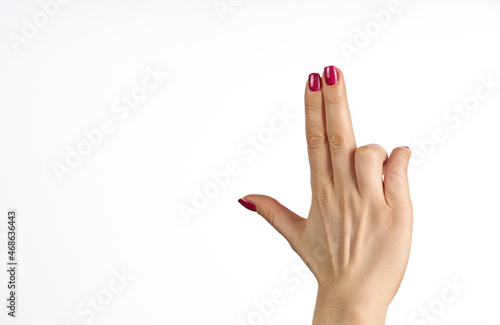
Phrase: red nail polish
(331,76)
(314,82)
(247,204)
(406,147)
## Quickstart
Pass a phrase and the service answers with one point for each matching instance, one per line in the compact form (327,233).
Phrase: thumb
(286,222)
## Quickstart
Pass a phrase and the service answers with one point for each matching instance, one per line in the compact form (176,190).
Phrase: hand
(356,239)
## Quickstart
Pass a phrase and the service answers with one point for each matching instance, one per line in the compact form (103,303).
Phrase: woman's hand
(356,239)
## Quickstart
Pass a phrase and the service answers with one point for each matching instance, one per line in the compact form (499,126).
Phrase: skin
(356,239)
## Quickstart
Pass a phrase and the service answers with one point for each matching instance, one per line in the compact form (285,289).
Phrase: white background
(119,209)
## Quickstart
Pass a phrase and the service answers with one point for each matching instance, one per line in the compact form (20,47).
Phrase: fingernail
(331,76)
(247,204)
(314,82)
(406,147)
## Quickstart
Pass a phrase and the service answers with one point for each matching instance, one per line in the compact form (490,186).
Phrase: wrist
(333,308)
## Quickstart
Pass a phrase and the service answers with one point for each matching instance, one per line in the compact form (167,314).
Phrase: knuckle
(322,196)
(335,99)
(270,217)
(343,205)
(338,141)
(270,213)
(313,106)
(316,140)
(395,175)
(344,202)
(367,152)
(403,153)
(371,152)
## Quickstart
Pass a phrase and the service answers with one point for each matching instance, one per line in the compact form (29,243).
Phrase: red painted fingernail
(247,204)
(406,147)
(331,76)
(314,82)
